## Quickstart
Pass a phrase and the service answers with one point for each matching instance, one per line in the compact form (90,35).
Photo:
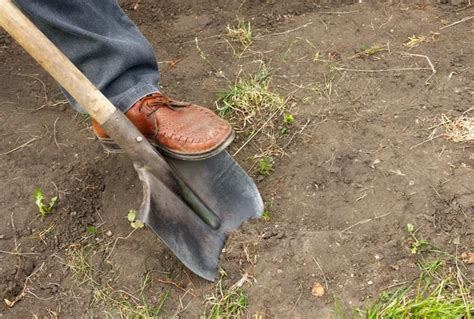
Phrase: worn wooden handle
(54,62)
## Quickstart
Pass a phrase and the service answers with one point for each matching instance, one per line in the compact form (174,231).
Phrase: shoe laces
(154,102)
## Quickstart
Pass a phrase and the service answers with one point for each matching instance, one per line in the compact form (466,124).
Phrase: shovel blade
(195,244)
(191,205)
(221,185)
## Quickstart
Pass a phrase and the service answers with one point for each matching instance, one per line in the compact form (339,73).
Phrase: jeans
(102,42)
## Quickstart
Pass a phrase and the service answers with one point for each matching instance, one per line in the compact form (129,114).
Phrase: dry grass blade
(459,130)
(367,51)
(21,146)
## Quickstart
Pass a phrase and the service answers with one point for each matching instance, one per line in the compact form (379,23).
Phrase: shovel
(191,205)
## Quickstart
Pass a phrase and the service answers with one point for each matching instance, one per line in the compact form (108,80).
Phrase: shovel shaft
(54,62)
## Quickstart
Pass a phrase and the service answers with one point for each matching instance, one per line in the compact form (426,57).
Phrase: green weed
(266,215)
(91,230)
(419,245)
(132,218)
(44,209)
(288,119)
(265,166)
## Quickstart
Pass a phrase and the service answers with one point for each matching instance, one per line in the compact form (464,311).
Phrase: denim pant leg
(102,42)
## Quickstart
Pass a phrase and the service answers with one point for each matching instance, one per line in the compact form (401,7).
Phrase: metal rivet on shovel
(191,206)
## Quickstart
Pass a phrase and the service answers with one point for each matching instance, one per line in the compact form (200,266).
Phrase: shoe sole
(111,147)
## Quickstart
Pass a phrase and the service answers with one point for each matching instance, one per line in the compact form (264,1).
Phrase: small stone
(109,233)
(370,282)
(2,236)
(378,257)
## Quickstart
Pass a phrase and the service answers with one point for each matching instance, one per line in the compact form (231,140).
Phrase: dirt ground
(368,157)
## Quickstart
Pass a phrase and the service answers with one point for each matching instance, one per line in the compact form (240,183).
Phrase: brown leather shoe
(182,130)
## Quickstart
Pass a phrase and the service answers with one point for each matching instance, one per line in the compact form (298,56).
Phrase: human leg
(110,50)
(102,42)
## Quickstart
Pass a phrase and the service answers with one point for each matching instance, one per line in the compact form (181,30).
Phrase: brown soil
(364,165)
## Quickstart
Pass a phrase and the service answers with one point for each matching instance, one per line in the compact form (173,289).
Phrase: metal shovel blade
(223,186)
(191,205)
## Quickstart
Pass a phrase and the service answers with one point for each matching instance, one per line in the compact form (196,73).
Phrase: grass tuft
(265,166)
(459,130)
(439,292)
(227,304)
(115,303)
(426,300)
(249,101)
(241,33)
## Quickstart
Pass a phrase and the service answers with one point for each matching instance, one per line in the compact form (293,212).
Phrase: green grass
(230,303)
(440,291)
(427,300)
(249,102)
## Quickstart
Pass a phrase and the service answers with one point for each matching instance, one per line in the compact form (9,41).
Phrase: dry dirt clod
(468,258)
(317,290)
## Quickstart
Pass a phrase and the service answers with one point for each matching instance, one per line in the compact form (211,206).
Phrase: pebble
(2,236)
(370,282)
(109,233)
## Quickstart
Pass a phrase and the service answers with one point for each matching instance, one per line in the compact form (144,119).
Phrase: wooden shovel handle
(54,62)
